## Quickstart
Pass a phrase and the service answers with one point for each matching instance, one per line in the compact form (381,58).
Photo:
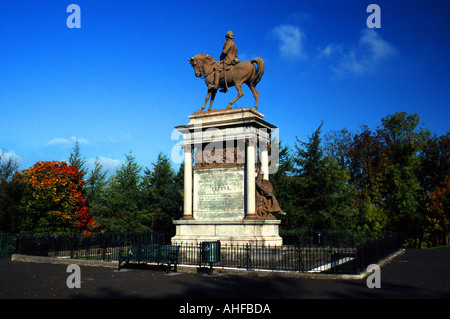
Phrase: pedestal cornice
(228,118)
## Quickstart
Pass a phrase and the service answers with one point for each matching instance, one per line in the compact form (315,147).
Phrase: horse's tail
(259,70)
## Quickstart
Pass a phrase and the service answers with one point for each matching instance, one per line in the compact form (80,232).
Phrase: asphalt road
(415,274)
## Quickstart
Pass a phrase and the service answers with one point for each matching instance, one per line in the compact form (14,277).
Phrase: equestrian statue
(227,72)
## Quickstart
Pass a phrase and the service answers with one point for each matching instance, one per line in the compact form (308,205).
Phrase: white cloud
(81,140)
(330,50)
(376,46)
(5,156)
(370,51)
(108,164)
(61,141)
(291,40)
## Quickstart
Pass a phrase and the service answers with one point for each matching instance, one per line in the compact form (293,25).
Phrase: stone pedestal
(219,190)
(260,232)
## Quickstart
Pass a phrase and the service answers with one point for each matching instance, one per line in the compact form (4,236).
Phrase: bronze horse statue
(236,75)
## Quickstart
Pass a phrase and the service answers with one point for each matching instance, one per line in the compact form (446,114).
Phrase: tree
(336,145)
(434,179)
(95,183)
(53,199)
(8,166)
(367,161)
(435,162)
(77,160)
(398,172)
(282,182)
(323,195)
(122,210)
(402,192)
(162,190)
(10,194)
(95,189)
(438,213)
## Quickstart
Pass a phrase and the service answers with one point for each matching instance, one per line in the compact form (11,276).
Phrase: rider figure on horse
(227,59)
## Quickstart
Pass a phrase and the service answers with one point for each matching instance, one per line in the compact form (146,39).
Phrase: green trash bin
(210,253)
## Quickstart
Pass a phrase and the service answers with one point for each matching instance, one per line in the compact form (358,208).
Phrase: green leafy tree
(367,161)
(11,192)
(397,171)
(337,144)
(434,179)
(435,162)
(96,184)
(77,160)
(282,182)
(323,196)
(162,192)
(438,213)
(402,191)
(121,208)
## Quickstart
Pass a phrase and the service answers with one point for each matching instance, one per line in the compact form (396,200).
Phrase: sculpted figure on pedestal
(266,203)
(227,72)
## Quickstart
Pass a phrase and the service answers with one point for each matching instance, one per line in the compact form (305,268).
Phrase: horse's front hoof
(229,107)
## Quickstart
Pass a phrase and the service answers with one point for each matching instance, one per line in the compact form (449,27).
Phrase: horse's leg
(240,94)
(213,96)
(255,94)
(206,100)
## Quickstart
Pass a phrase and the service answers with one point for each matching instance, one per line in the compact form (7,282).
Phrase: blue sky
(122,81)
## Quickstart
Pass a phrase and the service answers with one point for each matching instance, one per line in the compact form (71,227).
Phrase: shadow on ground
(416,274)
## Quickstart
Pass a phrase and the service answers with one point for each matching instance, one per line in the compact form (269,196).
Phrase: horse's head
(196,65)
(199,61)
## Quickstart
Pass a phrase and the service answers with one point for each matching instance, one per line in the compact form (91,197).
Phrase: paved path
(415,274)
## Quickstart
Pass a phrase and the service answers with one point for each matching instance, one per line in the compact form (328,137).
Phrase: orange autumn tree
(54,199)
(438,210)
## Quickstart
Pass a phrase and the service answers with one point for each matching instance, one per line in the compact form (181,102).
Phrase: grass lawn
(440,247)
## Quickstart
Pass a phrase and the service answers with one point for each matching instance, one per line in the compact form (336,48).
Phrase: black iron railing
(99,246)
(313,259)
(309,252)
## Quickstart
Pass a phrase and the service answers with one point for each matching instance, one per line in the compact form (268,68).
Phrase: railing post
(298,259)
(104,247)
(248,255)
(199,256)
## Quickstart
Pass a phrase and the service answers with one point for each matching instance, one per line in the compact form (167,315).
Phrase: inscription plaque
(219,193)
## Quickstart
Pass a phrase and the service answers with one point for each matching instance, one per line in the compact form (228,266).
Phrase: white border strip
(331,265)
